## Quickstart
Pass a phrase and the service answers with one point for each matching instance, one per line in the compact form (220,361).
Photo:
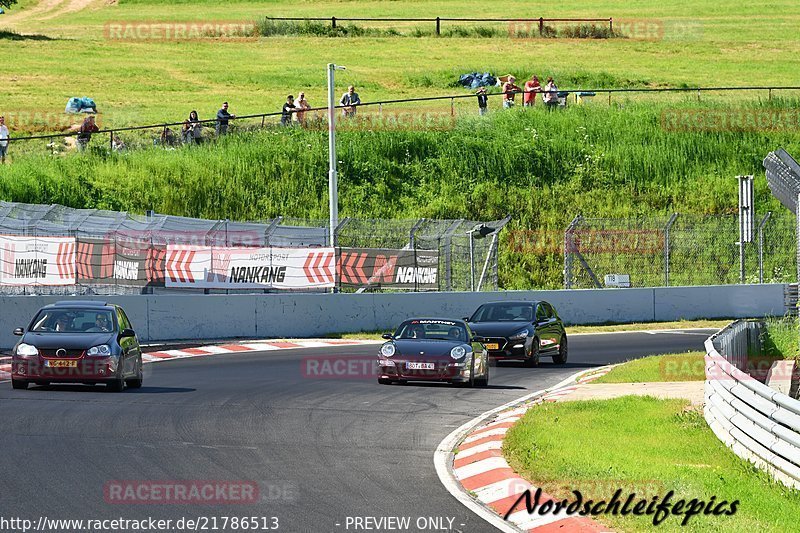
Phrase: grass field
(543,169)
(658,368)
(649,446)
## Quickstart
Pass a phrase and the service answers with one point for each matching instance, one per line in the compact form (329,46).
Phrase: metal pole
(438,26)
(333,188)
(569,247)
(666,247)
(761,246)
(471,265)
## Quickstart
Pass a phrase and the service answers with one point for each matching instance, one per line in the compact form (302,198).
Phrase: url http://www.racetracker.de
(177,525)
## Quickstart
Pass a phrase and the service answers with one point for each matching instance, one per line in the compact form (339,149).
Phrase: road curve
(320,449)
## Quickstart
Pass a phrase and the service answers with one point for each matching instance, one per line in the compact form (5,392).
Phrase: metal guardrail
(452,98)
(438,20)
(758,423)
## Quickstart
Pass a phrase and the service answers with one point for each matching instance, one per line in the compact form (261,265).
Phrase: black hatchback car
(78,342)
(521,331)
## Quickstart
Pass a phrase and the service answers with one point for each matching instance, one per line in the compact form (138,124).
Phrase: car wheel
(19,384)
(115,385)
(533,359)
(136,383)
(483,382)
(384,381)
(561,357)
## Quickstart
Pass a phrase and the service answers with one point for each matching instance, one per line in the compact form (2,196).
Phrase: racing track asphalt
(329,448)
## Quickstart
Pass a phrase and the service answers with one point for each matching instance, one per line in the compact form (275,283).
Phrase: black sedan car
(433,349)
(521,331)
(78,342)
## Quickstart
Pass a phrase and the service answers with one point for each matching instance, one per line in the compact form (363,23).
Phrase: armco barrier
(758,423)
(197,316)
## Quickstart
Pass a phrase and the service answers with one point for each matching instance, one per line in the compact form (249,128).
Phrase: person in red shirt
(531,88)
(508,92)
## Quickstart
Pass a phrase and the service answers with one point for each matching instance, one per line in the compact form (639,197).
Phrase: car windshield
(432,329)
(503,312)
(73,321)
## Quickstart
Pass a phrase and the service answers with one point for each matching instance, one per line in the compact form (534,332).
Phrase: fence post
(541,26)
(452,107)
(609,98)
(569,246)
(667,229)
(761,246)
(111,141)
(769,97)
(438,26)
(333,23)
(611,25)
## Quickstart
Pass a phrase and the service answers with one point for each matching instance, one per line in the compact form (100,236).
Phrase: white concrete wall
(197,316)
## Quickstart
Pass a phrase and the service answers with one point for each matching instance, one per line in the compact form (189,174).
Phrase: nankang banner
(389,269)
(203,267)
(37,260)
(120,262)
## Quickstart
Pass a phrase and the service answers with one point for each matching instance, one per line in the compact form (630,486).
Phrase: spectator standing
(287,111)
(550,96)
(223,116)
(483,101)
(85,132)
(302,105)
(350,100)
(509,92)
(3,139)
(531,88)
(194,132)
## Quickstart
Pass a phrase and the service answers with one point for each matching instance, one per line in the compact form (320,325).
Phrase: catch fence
(52,249)
(677,250)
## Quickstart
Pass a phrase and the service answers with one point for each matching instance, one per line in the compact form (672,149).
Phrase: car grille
(51,352)
(500,341)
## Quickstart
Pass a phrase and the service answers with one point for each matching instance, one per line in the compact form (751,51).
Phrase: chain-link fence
(52,249)
(677,250)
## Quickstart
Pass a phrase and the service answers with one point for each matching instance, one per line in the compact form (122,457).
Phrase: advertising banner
(389,269)
(119,262)
(37,260)
(203,267)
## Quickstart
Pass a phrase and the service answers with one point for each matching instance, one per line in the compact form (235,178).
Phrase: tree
(7,3)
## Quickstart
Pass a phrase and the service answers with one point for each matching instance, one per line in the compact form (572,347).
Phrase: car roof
(515,302)
(81,304)
(422,318)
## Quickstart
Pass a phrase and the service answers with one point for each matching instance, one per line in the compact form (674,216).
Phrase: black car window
(549,310)
(433,330)
(503,312)
(541,312)
(73,321)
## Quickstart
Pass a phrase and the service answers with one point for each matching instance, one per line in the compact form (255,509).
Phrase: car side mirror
(465,319)
(387,336)
(19,332)
(127,332)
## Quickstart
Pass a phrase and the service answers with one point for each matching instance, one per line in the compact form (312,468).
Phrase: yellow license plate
(60,363)
(492,346)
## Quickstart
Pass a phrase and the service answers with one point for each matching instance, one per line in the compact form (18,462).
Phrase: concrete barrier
(195,316)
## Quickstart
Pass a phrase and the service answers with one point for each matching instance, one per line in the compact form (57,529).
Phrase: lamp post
(333,187)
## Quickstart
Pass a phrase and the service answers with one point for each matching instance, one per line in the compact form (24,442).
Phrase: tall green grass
(542,168)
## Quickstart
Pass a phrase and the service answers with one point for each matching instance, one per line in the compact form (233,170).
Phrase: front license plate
(492,346)
(420,366)
(60,363)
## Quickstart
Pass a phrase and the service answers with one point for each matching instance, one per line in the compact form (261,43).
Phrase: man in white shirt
(350,100)
(3,139)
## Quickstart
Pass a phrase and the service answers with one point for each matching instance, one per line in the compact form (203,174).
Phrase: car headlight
(27,349)
(458,352)
(388,349)
(520,335)
(103,349)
